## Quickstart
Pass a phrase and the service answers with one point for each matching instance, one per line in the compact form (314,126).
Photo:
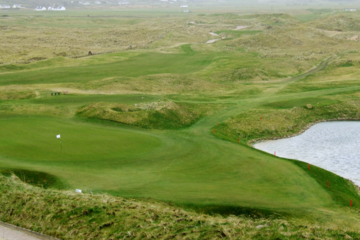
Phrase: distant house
(350,10)
(184,6)
(17,6)
(60,8)
(5,6)
(39,8)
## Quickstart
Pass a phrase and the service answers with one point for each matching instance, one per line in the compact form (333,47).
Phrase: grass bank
(67,215)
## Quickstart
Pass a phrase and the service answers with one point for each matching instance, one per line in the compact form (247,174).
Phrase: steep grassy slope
(67,215)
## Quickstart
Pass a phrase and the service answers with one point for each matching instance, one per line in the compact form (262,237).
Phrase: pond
(334,146)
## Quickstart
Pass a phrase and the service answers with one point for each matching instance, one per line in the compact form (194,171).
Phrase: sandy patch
(212,40)
(330,33)
(214,34)
(355,38)
(240,27)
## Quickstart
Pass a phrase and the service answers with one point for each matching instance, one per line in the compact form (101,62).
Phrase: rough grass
(286,118)
(155,115)
(236,33)
(67,215)
(338,23)
(14,95)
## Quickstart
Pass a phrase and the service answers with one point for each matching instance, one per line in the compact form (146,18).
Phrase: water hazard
(334,146)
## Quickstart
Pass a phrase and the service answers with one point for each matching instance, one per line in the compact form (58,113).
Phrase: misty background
(176,3)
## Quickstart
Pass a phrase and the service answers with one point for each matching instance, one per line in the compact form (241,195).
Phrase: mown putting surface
(34,139)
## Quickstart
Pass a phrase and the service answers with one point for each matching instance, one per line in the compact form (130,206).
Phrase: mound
(35,178)
(288,38)
(262,21)
(340,23)
(157,115)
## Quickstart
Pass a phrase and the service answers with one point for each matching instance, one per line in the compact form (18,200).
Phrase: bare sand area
(214,34)
(212,40)
(10,232)
(240,27)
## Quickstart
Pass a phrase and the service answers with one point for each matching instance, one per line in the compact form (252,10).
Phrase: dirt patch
(212,40)
(214,34)
(355,38)
(240,27)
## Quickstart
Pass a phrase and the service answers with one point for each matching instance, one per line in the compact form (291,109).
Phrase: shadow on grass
(227,210)
(35,178)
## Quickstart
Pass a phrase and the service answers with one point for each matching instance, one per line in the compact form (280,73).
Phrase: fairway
(142,64)
(168,166)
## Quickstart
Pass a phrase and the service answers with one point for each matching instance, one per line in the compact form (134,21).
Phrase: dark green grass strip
(39,179)
(340,189)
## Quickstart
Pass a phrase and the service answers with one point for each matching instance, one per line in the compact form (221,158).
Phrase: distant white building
(184,6)
(60,8)
(5,6)
(39,8)
(17,6)
(350,10)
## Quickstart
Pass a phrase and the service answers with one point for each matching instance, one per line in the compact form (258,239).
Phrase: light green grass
(78,142)
(143,64)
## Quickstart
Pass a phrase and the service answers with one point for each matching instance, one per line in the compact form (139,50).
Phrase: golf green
(34,139)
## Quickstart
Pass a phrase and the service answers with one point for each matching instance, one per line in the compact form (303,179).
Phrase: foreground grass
(67,215)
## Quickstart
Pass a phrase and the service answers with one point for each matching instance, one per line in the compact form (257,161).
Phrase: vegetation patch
(291,103)
(13,95)
(157,115)
(338,23)
(101,216)
(236,33)
(39,179)
(286,120)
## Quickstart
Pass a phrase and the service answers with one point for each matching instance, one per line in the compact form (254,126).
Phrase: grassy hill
(338,23)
